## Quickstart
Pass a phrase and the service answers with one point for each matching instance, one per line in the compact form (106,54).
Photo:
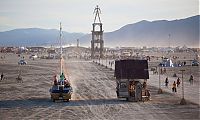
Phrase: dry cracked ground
(94,96)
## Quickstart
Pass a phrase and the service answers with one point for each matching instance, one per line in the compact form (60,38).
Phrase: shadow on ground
(46,102)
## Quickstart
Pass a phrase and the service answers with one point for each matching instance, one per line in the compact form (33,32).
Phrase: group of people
(163,71)
(174,85)
(19,78)
(177,83)
(62,80)
(144,87)
(111,63)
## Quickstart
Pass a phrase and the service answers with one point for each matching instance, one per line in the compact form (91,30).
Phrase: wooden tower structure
(97,42)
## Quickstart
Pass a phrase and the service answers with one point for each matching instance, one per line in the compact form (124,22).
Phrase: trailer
(129,74)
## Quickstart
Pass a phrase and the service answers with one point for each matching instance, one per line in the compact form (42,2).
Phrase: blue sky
(77,15)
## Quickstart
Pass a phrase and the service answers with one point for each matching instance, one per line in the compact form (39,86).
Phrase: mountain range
(36,37)
(144,33)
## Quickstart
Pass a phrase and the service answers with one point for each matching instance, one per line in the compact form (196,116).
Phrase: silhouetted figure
(161,71)
(19,78)
(55,80)
(191,79)
(2,76)
(178,81)
(184,63)
(166,82)
(164,71)
(111,64)
(97,11)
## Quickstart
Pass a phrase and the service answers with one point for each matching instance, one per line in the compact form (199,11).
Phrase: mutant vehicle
(61,88)
(131,79)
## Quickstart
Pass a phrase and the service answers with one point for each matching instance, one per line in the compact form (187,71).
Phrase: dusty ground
(94,95)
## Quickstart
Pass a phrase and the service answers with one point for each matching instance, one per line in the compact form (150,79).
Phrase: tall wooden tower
(97,42)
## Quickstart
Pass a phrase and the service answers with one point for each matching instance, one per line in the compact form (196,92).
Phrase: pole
(106,58)
(106,61)
(182,86)
(60,49)
(174,75)
(159,90)
(102,61)
(159,77)
(183,102)
(169,40)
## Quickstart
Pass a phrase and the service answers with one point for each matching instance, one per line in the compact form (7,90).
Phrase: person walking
(191,79)
(2,76)
(161,71)
(166,82)
(174,87)
(164,71)
(178,81)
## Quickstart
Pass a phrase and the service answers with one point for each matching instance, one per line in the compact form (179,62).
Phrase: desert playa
(94,92)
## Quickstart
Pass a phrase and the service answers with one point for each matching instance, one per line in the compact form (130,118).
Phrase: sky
(77,15)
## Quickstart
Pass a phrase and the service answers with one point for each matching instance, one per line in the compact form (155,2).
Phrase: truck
(129,74)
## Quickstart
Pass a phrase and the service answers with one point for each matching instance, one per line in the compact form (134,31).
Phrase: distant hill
(35,37)
(144,33)
(155,33)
